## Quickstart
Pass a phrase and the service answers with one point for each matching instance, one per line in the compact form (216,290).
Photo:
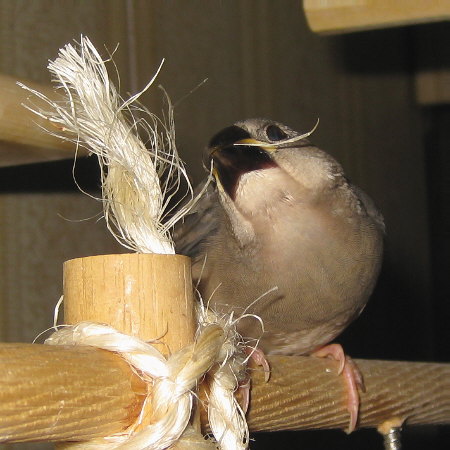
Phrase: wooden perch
(305,393)
(52,393)
(337,16)
(63,393)
(22,139)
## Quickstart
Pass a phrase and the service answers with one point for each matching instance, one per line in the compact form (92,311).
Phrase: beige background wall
(260,59)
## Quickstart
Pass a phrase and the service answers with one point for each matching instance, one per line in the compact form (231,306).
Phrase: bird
(284,240)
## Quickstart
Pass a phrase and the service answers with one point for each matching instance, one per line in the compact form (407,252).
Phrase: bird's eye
(275,133)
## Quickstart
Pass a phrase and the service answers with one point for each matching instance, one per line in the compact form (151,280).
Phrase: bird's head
(257,163)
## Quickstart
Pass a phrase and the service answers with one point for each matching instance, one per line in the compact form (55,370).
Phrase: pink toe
(352,376)
(352,396)
(259,358)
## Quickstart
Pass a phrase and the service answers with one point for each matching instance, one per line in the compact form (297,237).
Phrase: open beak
(233,159)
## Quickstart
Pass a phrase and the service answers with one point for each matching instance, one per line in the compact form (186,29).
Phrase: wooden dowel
(22,139)
(305,393)
(51,393)
(145,295)
(336,16)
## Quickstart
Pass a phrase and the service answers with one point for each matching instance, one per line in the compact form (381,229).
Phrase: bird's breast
(307,269)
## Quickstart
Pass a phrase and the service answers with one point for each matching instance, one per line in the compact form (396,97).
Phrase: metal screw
(392,440)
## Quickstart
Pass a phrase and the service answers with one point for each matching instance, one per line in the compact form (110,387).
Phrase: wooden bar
(22,138)
(305,393)
(51,393)
(345,16)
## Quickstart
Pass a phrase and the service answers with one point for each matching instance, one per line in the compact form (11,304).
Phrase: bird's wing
(370,207)
(199,224)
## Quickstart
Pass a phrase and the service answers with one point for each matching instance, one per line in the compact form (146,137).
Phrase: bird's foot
(244,392)
(352,376)
(259,358)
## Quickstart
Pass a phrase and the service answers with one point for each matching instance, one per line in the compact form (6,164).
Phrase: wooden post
(145,295)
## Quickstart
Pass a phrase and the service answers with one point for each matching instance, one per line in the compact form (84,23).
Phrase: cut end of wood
(144,295)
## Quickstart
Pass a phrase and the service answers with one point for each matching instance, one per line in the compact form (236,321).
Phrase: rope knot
(216,353)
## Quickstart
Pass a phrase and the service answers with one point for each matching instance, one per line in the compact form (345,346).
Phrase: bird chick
(284,236)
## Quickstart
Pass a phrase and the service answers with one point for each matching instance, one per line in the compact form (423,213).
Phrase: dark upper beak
(234,152)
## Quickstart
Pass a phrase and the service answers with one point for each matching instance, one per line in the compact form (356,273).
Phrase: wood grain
(49,393)
(145,295)
(305,393)
(60,393)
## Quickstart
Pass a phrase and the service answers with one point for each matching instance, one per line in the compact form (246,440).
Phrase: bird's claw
(244,391)
(352,376)
(259,359)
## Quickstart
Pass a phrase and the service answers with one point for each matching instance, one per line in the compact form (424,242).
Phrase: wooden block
(345,16)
